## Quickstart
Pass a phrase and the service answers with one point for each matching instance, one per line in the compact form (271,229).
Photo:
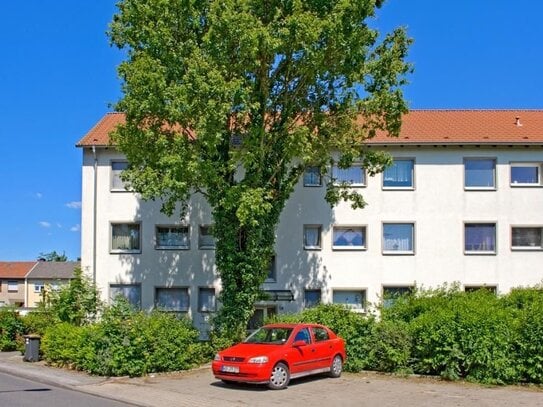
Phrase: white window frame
(351,184)
(346,228)
(312,184)
(360,306)
(401,187)
(527,248)
(116,175)
(537,165)
(399,251)
(203,307)
(159,246)
(125,251)
(184,302)
(388,300)
(318,246)
(481,187)
(201,244)
(481,251)
(39,286)
(12,283)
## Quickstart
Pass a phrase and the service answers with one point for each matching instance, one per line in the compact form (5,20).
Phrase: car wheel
(336,367)
(228,382)
(280,377)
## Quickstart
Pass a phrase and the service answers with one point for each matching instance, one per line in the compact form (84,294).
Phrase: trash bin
(32,348)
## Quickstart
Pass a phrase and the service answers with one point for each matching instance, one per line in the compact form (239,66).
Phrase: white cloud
(44,224)
(39,195)
(59,225)
(74,205)
(75,228)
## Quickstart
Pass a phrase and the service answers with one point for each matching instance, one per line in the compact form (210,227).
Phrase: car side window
(303,335)
(320,334)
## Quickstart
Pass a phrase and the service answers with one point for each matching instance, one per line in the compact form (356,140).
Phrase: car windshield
(276,336)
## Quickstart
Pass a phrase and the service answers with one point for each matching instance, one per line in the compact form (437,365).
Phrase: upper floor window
(355,175)
(125,238)
(312,237)
(272,270)
(131,292)
(206,299)
(398,238)
(13,286)
(117,167)
(355,299)
(172,237)
(480,238)
(38,286)
(175,299)
(480,173)
(349,237)
(206,240)
(526,174)
(400,175)
(527,238)
(312,177)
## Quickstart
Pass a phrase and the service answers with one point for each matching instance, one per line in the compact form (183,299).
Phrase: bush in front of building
(11,328)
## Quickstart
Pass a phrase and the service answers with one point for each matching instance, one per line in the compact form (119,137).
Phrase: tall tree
(234,99)
(53,256)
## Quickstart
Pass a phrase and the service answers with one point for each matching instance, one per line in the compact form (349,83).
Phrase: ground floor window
(174,299)
(206,299)
(355,299)
(132,293)
(261,313)
(527,238)
(312,298)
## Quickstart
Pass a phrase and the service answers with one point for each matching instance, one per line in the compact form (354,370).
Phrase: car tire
(228,382)
(336,367)
(279,378)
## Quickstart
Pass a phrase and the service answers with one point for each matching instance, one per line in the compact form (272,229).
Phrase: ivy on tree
(234,99)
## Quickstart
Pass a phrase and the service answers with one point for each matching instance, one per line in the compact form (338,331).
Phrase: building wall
(8,297)
(438,205)
(34,297)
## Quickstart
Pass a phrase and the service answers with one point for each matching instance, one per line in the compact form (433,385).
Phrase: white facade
(432,217)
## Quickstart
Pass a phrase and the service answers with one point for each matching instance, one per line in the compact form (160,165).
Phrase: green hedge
(11,328)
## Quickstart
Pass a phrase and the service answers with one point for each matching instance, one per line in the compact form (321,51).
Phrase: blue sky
(58,77)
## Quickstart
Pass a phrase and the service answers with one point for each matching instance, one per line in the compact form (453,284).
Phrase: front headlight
(217,357)
(258,359)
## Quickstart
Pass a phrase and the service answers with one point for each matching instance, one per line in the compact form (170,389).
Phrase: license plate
(230,369)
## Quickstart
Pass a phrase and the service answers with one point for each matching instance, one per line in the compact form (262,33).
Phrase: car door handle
(313,350)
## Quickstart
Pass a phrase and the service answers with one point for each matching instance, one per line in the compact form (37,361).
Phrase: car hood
(247,350)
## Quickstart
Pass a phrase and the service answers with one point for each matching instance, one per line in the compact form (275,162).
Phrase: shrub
(390,349)
(11,327)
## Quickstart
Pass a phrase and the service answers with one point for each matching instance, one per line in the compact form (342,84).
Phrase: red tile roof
(418,127)
(15,269)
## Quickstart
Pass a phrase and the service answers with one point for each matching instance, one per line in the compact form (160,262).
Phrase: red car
(276,353)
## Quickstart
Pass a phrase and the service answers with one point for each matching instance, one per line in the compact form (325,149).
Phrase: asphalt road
(19,392)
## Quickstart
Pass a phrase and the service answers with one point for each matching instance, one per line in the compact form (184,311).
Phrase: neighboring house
(22,283)
(462,202)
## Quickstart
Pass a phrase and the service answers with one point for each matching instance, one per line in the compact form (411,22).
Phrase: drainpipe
(94,222)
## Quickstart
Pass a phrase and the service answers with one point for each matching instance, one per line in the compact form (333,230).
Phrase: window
(527,238)
(206,240)
(272,273)
(312,298)
(355,299)
(349,237)
(117,167)
(312,237)
(172,237)
(320,334)
(206,299)
(398,238)
(480,173)
(399,175)
(354,175)
(125,238)
(39,286)
(13,286)
(132,293)
(312,177)
(391,294)
(175,299)
(480,238)
(473,288)
(526,174)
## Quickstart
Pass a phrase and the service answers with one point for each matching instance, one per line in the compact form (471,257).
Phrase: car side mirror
(299,343)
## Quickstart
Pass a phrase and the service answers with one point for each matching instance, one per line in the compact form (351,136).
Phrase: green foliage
(390,347)
(287,81)
(53,256)
(11,327)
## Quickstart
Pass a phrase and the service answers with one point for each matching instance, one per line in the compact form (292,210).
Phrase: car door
(324,347)
(302,358)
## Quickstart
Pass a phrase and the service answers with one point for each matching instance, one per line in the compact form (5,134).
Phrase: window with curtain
(174,299)
(172,237)
(349,237)
(354,175)
(480,237)
(117,167)
(355,299)
(398,238)
(125,238)
(206,299)
(480,173)
(400,174)
(525,174)
(132,293)
(312,177)
(312,236)
(527,238)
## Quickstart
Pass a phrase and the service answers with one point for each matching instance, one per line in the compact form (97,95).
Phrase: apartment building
(462,202)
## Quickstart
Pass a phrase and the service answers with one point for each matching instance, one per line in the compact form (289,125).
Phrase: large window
(312,298)
(398,238)
(172,237)
(527,238)
(354,175)
(206,299)
(349,237)
(117,167)
(206,240)
(480,173)
(125,238)
(13,286)
(174,299)
(312,177)
(392,293)
(312,237)
(131,292)
(526,174)
(400,175)
(355,299)
(480,238)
